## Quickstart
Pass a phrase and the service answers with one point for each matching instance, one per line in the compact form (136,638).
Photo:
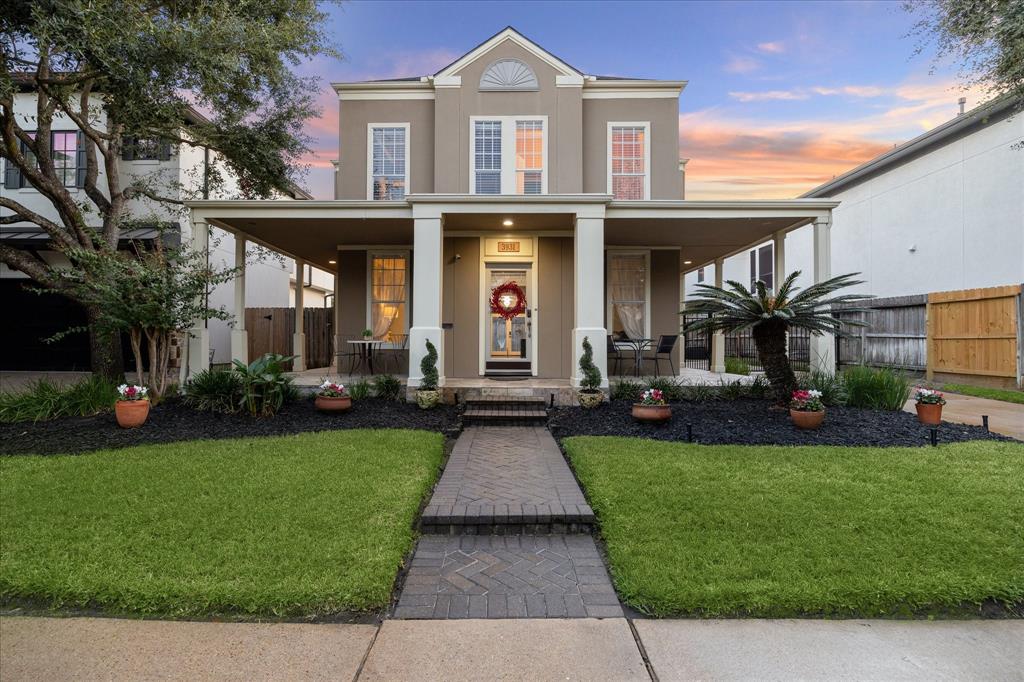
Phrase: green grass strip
(301,525)
(784,531)
(1006,395)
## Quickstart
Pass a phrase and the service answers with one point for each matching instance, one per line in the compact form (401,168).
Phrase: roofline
(953,127)
(509,30)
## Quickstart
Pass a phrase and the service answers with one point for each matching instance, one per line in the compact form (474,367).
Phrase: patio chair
(663,351)
(614,354)
(400,346)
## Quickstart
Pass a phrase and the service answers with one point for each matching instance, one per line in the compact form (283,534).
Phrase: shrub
(833,391)
(428,368)
(214,390)
(737,366)
(43,399)
(265,387)
(359,390)
(760,387)
(627,390)
(591,379)
(732,390)
(670,388)
(880,389)
(697,393)
(387,386)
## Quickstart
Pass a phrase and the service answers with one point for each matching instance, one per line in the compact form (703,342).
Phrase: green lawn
(1006,395)
(780,531)
(286,526)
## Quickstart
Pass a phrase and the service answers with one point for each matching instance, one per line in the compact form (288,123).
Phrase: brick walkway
(496,543)
(494,576)
(506,477)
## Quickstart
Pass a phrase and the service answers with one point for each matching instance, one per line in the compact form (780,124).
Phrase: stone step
(505,411)
(507,519)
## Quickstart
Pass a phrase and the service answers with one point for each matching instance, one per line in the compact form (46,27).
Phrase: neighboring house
(942,212)
(319,287)
(509,167)
(31,317)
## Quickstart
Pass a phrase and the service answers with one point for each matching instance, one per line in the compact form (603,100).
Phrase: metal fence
(696,345)
(740,349)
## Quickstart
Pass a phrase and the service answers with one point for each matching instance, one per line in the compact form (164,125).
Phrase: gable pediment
(507,71)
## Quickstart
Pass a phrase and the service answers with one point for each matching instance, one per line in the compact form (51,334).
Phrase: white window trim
(386,252)
(508,151)
(646,125)
(646,253)
(369,156)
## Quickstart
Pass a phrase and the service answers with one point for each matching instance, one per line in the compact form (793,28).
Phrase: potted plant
(332,397)
(929,406)
(132,408)
(367,334)
(427,395)
(806,409)
(652,407)
(590,393)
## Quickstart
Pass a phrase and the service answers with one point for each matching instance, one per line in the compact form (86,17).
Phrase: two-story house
(505,208)
(177,171)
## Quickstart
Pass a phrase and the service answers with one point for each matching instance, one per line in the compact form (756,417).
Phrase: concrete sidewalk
(1003,417)
(570,649)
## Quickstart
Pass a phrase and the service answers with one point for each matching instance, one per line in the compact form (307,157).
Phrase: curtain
(388,293)
(627,278)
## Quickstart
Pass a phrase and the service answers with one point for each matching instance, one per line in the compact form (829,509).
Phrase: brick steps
(506,411)
(507,519)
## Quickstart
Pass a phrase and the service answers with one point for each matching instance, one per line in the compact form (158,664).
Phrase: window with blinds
(388,172)
(628,149)
(487,157)
(509,154)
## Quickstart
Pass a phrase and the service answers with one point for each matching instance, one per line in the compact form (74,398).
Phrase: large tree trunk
(104,350)
(770,338)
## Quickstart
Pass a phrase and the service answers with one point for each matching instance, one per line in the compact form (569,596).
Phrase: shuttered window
(145,149)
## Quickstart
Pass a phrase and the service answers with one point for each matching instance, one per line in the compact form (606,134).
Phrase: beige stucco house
(510,165)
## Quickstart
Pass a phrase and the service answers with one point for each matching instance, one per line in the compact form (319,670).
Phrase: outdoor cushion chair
(663,351)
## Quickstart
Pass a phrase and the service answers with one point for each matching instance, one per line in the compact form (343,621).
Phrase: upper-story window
(509,155)
(762,266)
(629,153)
(146,149)
(67,149)
(388,161)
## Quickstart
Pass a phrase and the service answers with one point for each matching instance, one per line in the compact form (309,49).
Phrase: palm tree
(734,307)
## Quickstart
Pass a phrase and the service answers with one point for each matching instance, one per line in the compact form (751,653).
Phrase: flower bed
(756,422)
(173,421)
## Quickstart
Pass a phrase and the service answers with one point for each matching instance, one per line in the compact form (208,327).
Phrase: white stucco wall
(950,219)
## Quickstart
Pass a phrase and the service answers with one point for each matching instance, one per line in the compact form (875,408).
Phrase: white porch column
(239,335)
(426,286)
(779,268)
(823,348)
(299,338)
(718,338)
(199,335)
(588,286)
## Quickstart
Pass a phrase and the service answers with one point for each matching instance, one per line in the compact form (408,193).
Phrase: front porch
(584,266)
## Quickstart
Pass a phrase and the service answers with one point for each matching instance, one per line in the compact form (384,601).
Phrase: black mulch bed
(172,421)
(757,422)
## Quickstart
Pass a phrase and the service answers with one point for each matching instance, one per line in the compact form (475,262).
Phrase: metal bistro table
(366,348)
(638,346)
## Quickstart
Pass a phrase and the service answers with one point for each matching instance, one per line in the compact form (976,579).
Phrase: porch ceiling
(701,240)
(488,222)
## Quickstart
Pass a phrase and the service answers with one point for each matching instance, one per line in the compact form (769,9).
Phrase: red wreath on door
(498,306)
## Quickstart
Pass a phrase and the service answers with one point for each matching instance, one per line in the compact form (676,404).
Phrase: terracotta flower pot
(427,399)
(131,413)
(651,413)
(336,404)
(590,399)
(807,420)
(929,413)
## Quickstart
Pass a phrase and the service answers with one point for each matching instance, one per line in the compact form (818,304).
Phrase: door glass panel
(507,336)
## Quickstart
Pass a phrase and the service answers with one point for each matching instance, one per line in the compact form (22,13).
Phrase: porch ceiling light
(507,222)
(333,262)
(687,262)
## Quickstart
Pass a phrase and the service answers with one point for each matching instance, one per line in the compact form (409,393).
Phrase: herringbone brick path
(490,576)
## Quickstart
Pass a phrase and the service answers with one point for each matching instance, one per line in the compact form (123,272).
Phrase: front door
(509,344)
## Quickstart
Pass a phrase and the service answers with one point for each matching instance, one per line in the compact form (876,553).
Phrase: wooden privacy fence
(894,335)
(976,332)
(271,330)
(972,335)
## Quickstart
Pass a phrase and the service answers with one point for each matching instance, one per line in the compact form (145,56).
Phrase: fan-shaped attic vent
(508,74)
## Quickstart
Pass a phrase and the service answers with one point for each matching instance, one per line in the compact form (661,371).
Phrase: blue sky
(781,95)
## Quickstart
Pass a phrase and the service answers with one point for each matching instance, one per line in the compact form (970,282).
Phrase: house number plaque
(508,247)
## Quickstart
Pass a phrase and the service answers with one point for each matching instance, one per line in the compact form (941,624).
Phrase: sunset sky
(781,97)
